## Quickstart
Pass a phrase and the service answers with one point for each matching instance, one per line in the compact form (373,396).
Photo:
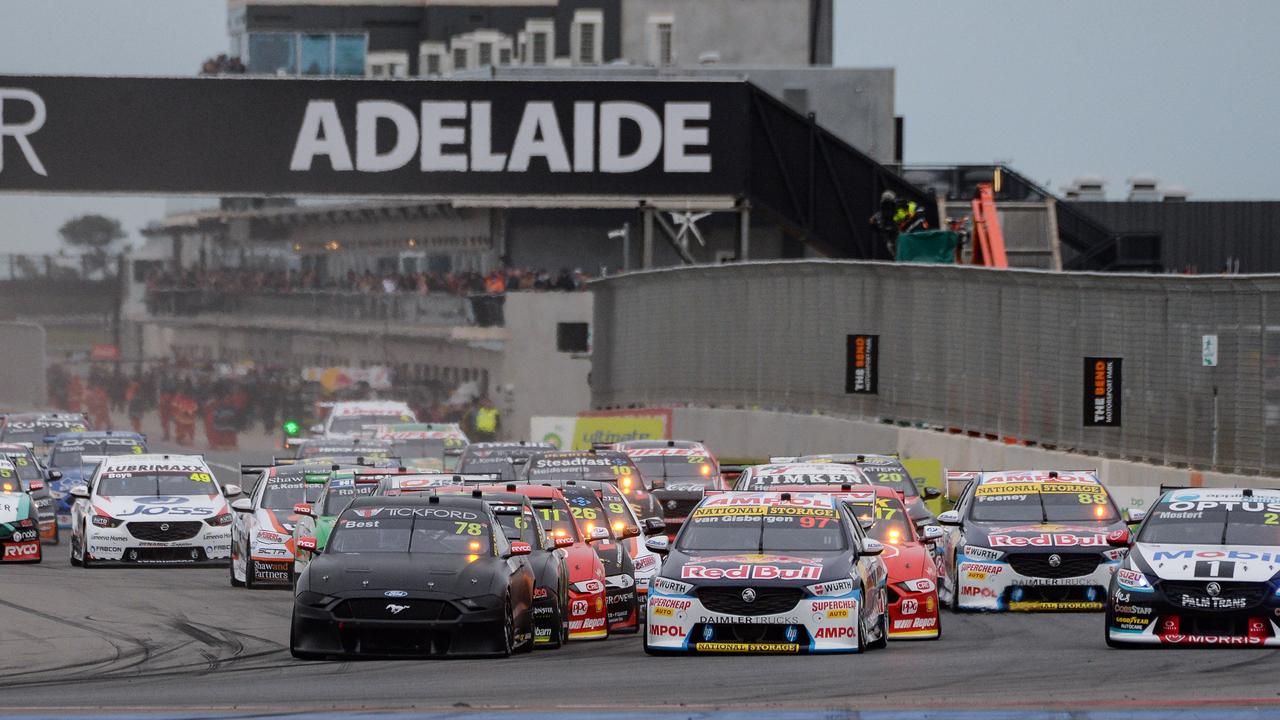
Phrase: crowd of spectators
(495,282)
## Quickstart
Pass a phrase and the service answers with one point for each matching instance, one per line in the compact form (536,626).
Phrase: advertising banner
(609,426)
(552,429)
(1102,396)
(862,364)
(293,136)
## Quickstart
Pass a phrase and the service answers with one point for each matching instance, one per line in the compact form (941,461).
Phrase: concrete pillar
(744,231)
(646,213)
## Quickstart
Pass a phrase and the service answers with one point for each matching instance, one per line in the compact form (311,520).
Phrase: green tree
(94,234)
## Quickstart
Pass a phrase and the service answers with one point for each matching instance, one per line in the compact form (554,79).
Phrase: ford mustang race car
(587,610)
(913,576)
(1202,571)
(1031,540)
(262,547)
(677,475)
(66,458)
(19,520)
(604,465)
(503,459)
(797,475)
(425,446)
(768,572)
(151,509)
(36,481)
(415,575)
(347,419)
(315,519)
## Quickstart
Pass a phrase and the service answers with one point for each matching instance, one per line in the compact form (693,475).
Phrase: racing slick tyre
(56,539)
(883,641)
(559,628)
(85,562)
(527,631)
(299,654)
(508,632)
(953,600)
(234,581)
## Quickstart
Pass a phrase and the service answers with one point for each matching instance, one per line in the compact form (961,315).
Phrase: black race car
(503,459)
(622,606)
(414,576)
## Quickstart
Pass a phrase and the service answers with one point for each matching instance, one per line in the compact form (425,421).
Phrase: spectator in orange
(98,406)
(75,394)
(185,411)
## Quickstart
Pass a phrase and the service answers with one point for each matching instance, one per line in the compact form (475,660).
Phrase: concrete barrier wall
(759,433)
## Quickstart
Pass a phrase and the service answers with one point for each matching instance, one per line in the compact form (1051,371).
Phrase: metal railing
(993,352)
(434,309)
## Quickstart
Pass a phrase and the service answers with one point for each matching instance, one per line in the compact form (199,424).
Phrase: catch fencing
(993,352)
(435,309)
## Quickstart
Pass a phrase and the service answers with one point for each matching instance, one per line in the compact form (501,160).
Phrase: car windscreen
(420,449)
(340,496)
(556,518)
(618,511)
(892,524)
(67,452)
(1190,520)
(677,469)
(891,474)
(519,526)
(605,469)
(354,424)
(25,466)
(762,482)
(587,510)
(762,529)
(1042,502)
(318,450)
(499,466)
(155,482)
(430,530)
(284,493)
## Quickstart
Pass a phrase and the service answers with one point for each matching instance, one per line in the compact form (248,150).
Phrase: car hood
(278,521)
(583,563)
(771,569)
(422,572)
(908,561)
(1249,563)
(160,507)
(1014,537)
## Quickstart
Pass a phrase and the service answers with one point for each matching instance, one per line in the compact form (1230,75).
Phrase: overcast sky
(1184,89)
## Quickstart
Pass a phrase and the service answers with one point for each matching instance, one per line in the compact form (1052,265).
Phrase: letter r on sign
(20,131)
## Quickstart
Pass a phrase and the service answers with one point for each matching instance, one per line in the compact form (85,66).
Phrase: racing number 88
(1091,498)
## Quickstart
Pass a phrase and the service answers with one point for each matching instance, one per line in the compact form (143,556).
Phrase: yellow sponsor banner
(746,647)
(1066,605)
(1089,488)
(771,510)
(1010,489)
(840,613)
(617,426)
(928,473)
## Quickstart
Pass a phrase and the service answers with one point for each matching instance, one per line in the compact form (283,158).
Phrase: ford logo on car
(396,593)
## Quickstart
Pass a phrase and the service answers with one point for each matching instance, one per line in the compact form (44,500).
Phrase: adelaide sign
(230,136)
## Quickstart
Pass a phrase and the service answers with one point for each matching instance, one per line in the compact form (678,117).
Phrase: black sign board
(1102,391)
(862,364)
(255,136)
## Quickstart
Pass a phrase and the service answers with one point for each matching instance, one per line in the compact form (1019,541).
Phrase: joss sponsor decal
(749,572)
(165,510)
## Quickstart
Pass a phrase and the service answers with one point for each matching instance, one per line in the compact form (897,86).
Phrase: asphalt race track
(173,640)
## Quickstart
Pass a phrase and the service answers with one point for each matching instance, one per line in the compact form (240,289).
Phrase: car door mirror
(653,525)
(872,547)
(931,493)
(597,534)
(867,522)
(317,429)
(307,543)
(79,491)
(1119,538)
(626,532)
(562,542)
(1133,516)
(519,547)
(55,474)
(242,505)
(950,517)
(660,545)
(231,490)
(933,533)
(303,509)
(657,483)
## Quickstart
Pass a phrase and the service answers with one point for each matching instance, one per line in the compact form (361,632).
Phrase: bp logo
(161,500)
(554,439)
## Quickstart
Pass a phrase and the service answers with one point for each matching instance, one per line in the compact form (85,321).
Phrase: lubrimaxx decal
(455,136)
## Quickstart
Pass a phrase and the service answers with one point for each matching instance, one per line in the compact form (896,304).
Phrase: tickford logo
(10,101)
(456,136)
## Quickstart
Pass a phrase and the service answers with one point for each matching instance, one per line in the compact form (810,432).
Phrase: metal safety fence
(995,352)
(435,309)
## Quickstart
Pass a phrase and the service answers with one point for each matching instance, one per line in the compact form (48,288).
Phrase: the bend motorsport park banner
(1102,391)
(229,136)
(862,364)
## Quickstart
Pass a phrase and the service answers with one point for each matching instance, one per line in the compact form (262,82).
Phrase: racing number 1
(1215,568)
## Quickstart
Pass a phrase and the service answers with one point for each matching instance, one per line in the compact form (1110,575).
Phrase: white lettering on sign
(20,131)
(468,127)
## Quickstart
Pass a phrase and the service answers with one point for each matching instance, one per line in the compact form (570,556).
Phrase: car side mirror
(1133,516)
(950,517)
(660,545)
(872,547)
(55,474)
(303,509)
(562,542)
(931,493)
(317,429)
(597,534)
(653,525)
(79,491)
(35,485)
(867,522)
(657,483)
(627,532)
(519,547)
(933,533)
(1119,538)
(231,490)
(242,505)
(307,543)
